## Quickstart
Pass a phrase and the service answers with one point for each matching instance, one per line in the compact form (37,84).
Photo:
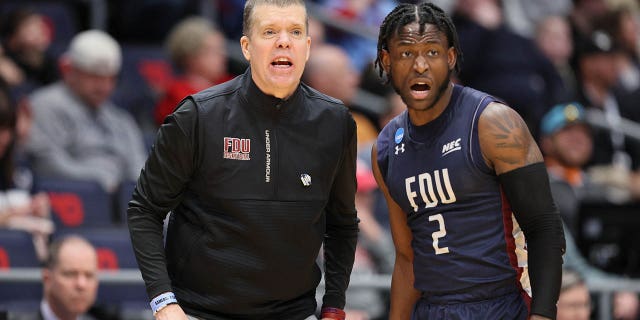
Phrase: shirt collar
(268,103)
(47,313)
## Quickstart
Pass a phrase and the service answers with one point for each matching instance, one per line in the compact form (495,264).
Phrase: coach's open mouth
(281,62)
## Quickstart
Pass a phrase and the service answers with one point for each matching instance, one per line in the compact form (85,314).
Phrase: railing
(602,289)
(598,119)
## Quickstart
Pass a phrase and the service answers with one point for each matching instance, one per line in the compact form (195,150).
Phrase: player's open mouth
(420,90)
(420,87)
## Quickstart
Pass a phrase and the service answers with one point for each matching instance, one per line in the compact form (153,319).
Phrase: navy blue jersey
(467,245)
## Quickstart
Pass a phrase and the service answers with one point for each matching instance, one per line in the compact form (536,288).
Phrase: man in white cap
(78,133)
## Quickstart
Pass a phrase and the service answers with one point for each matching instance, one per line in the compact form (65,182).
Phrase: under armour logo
(306,179)
(400,148)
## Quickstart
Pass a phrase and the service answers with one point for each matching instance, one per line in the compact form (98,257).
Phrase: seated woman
(18,208)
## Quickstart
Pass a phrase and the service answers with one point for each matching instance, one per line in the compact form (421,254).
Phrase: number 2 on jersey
(436,235)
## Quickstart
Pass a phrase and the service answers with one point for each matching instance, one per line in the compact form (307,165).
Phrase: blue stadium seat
(144,67)
(77,203)
(112,243)
(17,251)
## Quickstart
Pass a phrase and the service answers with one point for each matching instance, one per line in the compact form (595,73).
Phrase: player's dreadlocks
(424,13)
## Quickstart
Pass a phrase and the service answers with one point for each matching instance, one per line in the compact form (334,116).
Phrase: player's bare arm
(505,139)
(403,294)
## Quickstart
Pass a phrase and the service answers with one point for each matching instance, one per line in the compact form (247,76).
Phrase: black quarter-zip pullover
(256,185)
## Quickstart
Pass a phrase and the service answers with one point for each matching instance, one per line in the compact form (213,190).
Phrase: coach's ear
(244,45)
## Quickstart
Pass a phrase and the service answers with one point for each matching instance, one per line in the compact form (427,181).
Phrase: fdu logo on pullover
(237,148)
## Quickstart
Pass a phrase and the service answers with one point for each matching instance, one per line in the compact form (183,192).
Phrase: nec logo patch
(451,147)
(237,148)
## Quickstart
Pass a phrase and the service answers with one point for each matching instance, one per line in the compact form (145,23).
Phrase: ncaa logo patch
(398,138)
(399,135)
(236,148)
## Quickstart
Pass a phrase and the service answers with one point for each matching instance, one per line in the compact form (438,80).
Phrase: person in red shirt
(198,50)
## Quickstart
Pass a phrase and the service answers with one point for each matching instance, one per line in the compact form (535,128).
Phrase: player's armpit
(505,139)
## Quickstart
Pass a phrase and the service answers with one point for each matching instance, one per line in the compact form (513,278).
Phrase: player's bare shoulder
(505,139)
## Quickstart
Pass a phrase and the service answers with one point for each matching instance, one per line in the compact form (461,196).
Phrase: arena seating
(77,203)
(17,251)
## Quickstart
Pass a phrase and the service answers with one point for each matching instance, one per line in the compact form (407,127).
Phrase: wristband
(162,301)
(332,313)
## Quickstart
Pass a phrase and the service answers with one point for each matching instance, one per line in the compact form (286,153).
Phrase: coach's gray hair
(247,23)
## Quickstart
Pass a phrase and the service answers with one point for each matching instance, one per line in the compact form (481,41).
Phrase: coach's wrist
(332,313)
(162,300)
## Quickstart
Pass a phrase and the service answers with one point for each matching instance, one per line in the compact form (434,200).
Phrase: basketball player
(463,179)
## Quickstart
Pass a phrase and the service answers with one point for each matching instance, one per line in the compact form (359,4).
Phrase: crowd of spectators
(555,62)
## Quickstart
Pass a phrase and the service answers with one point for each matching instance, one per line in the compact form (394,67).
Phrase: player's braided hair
(423,13)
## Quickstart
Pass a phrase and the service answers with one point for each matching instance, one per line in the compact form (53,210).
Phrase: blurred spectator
(26,39)
(553,38)
(582,18)
(317,32)
(10,73)
(374,253)
(69,279)
(505,64)
(615,159)
(329,70)
(622,25)
(78,133)
(198,50)
(18,208)
(566,145)
(523,16)
(366,13)
(574,302)
(585,12)
(375,237)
